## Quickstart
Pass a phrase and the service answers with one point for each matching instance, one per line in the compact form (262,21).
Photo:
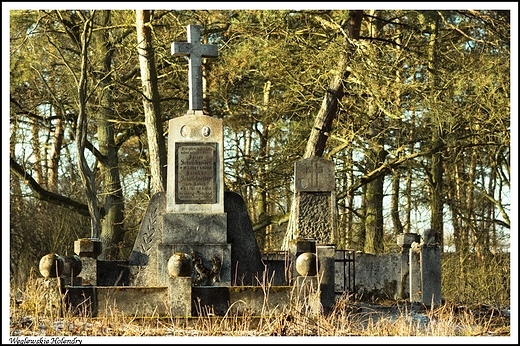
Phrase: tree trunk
(375,154)
(86,174)
(55,154)
(394,205)
(36,148)
(113,231)
(437,165)
(329,107)
(152,114)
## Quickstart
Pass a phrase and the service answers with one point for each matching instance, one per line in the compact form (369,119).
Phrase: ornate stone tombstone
(314,193)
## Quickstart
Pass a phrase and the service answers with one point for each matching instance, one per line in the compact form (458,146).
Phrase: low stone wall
(378,276)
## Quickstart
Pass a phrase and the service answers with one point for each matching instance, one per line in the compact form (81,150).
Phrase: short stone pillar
(431,275)
(52,291)
(51,268)
(326,276)
(88,249)
(415,274)
(306,295)
(425,270)
(179,284)
(405,240)
(180,296)
(296,248)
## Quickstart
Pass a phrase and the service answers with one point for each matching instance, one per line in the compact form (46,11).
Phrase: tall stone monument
(194,221)
(195,216)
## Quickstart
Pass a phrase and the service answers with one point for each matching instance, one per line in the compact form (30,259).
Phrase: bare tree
(152,113)
(86,174)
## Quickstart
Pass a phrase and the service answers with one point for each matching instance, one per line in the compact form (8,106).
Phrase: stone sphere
(72,266)
(306,264)
(180,264)
(51,265)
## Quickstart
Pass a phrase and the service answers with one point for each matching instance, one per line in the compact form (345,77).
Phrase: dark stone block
(113,273)
(144,253)
(210,300)
(246,259)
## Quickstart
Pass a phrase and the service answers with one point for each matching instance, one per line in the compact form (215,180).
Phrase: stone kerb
(195,165)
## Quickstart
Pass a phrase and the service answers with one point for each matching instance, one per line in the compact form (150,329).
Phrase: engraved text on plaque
(196,171)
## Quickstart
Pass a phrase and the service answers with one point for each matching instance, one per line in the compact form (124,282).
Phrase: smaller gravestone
(315,198)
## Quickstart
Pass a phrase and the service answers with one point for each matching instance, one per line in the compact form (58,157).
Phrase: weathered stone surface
(51,265)
(431,275)
(180,265)
(314,174)
(195,165)
(246,259)
(144,253)
(196,228)
(210,300)
(179,296)
(306,264)
(316,216)
(131,301)
(326,277)
(377,275)
(256,300)
(88,247)
(306,295)
(315,200)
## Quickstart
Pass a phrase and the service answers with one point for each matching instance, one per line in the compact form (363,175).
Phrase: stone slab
(246,259)
(210,300)
(117,301)
(314,174)
(431,275)
(259,301)
(377,275)
(195,228)
(143,258)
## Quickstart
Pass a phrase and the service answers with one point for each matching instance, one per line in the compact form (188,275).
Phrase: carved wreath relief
(205,276)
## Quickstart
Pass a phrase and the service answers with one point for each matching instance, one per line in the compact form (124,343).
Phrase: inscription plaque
(196,171)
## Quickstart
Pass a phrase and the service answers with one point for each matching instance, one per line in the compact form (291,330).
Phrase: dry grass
(34,313)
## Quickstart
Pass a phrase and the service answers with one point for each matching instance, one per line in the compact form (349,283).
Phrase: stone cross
(195,51)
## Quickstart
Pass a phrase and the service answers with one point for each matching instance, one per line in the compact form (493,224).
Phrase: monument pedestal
(196,228)
(211,267)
